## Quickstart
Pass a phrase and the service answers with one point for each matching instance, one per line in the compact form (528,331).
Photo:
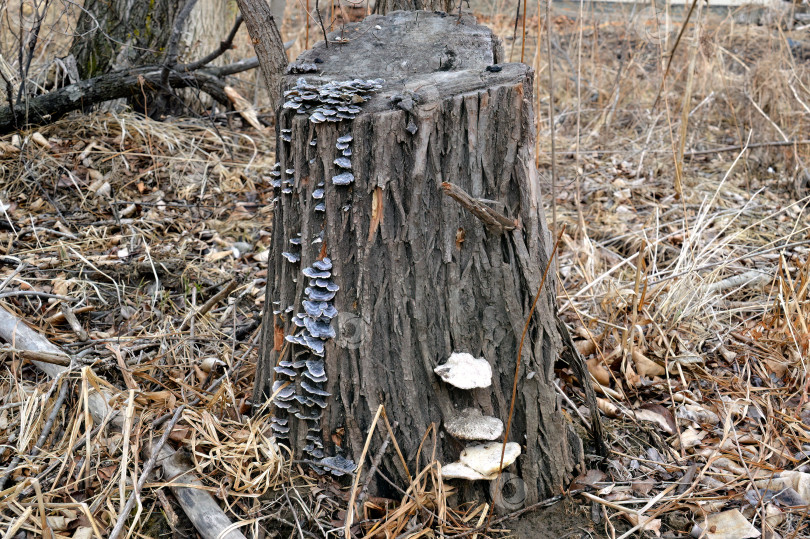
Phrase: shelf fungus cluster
(330,102)
(478,460)
(300,385)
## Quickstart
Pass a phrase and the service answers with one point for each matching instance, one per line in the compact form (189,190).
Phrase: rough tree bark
(420,276)
(264,31)
(113,35)
(117,34)
(384,6)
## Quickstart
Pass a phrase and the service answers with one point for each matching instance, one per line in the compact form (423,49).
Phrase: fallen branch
(203,511)
(50,107)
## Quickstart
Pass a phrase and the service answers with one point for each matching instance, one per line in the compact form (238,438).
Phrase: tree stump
(385,6)
(377,276)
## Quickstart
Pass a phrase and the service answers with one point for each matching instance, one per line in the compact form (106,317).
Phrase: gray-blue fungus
(306,396)
(343,162)
(316,294)
(291,257)
(314,273)
(344,178)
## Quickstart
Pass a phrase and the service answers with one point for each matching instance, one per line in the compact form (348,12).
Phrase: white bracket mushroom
(482,461)
(471,424)
(464,371)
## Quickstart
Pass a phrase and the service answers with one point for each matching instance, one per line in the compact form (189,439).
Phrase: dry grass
(683,269)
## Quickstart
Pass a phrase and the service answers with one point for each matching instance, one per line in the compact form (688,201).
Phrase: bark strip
(492,219)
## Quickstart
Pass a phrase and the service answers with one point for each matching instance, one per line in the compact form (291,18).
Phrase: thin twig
(46,431)
(224,46)
(320,20)
(493,220)
(376,463)
(147,469)
(208,305)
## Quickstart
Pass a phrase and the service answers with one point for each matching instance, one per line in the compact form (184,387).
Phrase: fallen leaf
(40,140)
(690,437)
(647,523)
(642,488)
(598,370)
(586,347)
(647,367)
(589,478)
(607,407)
(727,525)
(658,415)
(697,414)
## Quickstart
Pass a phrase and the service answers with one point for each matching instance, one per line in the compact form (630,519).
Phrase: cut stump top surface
(403,44)
(418,51)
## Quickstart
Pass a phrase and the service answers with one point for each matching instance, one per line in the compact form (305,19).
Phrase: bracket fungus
(457,470)
(471,424)
(312,321)
(481,461)
(464,371)
(486,458)
(344,178)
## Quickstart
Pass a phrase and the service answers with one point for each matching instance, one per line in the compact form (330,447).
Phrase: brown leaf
(589,479)
(647,367)
(607,407)
(658,414)
(642,488)
(586,347)
(179,433)
(598,370)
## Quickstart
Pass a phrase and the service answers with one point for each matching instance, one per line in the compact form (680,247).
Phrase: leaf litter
(691,311)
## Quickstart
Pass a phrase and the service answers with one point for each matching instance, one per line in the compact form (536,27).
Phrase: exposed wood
(420,276)
(263,30)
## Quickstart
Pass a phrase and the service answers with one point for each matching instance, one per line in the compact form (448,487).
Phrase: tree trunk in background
(264,32)
(114,34)
(117,34)
(384,6)
(419,276)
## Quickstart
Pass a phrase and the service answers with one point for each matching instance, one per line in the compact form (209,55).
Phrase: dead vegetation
(138,248)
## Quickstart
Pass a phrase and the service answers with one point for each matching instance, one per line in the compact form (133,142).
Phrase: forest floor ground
(684,272)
